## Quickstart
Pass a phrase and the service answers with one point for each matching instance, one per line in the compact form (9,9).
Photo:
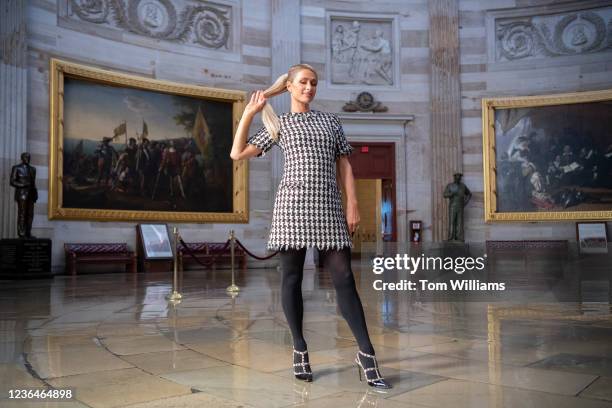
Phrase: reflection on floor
(114,340)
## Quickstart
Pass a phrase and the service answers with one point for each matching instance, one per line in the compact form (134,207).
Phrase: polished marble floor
(115,341)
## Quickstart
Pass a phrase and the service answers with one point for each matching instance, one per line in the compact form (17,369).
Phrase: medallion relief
(191,22)
(572,33)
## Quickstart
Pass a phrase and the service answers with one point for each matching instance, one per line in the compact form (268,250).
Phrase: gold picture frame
(233,204)
(521,135)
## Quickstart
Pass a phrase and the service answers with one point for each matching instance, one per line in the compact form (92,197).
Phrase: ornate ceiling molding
(574,32)
(196,23)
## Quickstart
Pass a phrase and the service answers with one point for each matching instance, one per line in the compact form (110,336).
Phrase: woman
(308,209)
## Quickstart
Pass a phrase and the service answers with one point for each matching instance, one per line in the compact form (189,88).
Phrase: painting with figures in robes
(551,159)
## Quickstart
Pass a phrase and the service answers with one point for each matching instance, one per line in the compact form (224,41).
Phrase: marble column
(445,107)
(286,45)
(286,51)
(13,105)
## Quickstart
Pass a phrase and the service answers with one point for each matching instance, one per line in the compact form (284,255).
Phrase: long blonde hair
(269,117)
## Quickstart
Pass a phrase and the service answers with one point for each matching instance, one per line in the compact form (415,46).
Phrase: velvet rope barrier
(195,258)
(261,258)
(213,258)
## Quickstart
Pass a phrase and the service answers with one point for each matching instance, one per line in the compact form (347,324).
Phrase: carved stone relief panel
(551,35)
(362,51)
(190,22)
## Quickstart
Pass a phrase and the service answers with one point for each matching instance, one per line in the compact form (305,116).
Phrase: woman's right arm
(240,149)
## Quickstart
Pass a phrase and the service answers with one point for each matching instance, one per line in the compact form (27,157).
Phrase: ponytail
(269,117)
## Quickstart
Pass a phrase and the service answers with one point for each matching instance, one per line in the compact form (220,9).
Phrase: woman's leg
(338,263)
(292,264)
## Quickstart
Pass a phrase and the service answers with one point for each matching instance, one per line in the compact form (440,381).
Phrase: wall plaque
(362,51)
(25,258)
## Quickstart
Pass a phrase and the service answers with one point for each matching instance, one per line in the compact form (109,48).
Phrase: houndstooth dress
(308,207)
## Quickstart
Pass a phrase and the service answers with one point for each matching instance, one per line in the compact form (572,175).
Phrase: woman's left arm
(347,180)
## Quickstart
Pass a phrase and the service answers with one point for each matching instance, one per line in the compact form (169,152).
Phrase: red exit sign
(365,149)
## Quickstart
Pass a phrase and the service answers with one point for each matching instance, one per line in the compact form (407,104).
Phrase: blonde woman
(308,207)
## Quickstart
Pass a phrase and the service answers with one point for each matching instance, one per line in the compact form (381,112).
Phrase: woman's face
(303,87)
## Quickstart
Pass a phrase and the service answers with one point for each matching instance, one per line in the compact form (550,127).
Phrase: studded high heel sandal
(371,374)
(301,366)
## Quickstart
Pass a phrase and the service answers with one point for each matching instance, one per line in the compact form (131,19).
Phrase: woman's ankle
(368,351)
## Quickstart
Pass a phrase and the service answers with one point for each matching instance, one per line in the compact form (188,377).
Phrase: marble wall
(242,61)
(488,71)
(245,47)
(404,24)
(13,105)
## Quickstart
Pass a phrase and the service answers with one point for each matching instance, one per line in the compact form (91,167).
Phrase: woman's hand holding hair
(256,104)
(240,149)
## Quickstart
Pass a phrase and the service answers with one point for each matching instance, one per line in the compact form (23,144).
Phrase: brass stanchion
(175,297)
(175,349)
(232,289)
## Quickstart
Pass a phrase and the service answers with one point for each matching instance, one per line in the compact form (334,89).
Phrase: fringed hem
(321,247)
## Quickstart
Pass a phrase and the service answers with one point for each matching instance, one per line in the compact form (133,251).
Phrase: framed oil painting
(155,240)
(548,158)
(127,148)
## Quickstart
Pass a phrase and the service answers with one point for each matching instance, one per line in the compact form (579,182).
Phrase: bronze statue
(23,178)
(459,195)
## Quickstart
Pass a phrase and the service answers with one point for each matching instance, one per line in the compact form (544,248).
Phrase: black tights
(338,263)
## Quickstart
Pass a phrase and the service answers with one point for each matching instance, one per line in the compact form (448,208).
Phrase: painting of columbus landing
(134,153)
(549,158)
(129,149)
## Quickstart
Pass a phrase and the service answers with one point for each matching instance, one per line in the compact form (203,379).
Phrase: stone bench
(77,253)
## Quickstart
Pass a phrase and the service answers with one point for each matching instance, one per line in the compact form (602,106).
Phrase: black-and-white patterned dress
(308,207)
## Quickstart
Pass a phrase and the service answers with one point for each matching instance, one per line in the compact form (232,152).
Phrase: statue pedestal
(25,258)
(451,249)
(454,249)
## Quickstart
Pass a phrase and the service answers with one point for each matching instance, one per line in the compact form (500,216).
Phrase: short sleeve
(262,140)
(342,145)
